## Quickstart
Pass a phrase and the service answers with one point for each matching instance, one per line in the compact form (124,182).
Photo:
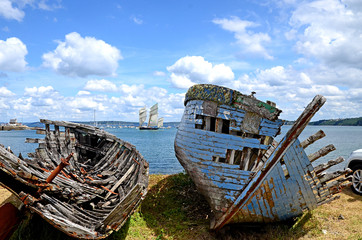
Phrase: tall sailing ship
(154,122)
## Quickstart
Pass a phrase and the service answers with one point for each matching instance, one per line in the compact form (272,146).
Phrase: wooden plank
(119,182)
(224,138)
(285,143)
(296,172)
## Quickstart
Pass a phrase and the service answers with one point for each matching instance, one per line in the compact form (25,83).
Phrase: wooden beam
(321,152)
(330,176)
(318,135)
(324,166)
(119,182)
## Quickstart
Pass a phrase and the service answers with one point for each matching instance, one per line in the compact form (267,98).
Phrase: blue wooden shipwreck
(225,142)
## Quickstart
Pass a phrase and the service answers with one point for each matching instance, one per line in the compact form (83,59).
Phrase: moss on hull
(233,98)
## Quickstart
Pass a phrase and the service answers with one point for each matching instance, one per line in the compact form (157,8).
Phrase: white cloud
(4,92)
(293,89)
(330,31)
(78,56)
(100,85)
(159,74)
(45,5)
(84,104)
(8,11)
(83,93)
(137,20)
(12,55)
(46,102)
(13,9)
(190,70)
(39,92)
(249,41)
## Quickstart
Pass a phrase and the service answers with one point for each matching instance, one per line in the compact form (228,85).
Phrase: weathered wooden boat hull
(225,143)
(104,183)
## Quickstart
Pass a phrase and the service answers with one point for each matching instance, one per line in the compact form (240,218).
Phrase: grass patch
(173,209)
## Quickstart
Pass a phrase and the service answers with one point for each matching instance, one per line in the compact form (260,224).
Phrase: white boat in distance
(154,122)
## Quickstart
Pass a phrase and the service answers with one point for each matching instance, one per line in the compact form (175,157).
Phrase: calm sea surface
(157,146)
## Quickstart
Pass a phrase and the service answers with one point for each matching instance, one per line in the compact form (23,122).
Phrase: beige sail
(143,115)
(152,122)
(160,123)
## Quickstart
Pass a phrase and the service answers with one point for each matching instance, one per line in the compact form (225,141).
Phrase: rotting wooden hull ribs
(105,181)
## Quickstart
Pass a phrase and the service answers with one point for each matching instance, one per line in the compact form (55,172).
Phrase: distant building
(13,121)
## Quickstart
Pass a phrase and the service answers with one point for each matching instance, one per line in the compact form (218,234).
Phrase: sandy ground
(7,196)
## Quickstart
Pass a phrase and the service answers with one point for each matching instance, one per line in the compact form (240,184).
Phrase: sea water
(157,146)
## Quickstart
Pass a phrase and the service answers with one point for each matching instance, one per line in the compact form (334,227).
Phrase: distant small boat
(225,142)
(82,180)
(153,122)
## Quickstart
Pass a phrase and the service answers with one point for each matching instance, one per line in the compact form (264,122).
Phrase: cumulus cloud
(82,93)
(4,92)
(250,42)
(329,31)
(13,9)
(46,102)
(293,89)
(100,85)
(78,56)
(12,55)
(9,11)
(84,104)
(39,91)
(190,70)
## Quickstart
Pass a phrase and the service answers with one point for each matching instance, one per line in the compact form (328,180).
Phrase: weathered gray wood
(313,138)
(80,183)
(330,176)
(232,156)
(338,182)
(34,140)
(321,152)
(324,166)
(119,182)
(92,149)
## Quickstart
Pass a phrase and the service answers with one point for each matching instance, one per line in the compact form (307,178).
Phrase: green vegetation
(340,122)
(173,209)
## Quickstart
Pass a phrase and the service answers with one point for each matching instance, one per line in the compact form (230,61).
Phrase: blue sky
(64,59)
